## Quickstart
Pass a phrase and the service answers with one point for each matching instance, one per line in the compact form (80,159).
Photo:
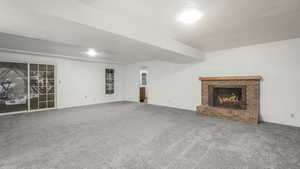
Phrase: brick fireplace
(234,98)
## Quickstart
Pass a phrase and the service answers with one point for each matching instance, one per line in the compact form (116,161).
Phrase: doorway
(143,94)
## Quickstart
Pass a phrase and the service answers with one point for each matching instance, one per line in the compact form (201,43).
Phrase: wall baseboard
(57,108)
(82,105)
(185,109)
(114,101)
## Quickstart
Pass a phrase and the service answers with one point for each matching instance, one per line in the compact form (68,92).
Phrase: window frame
(113,82)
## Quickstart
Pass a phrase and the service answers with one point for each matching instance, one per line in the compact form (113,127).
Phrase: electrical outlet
(292,115)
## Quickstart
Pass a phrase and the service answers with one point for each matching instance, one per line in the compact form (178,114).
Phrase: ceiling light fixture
(91,53)
(190,16)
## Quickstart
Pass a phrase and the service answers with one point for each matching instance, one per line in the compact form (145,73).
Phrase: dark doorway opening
(142,94)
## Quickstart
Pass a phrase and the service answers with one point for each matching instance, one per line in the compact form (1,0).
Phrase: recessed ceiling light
(190,16)
(91,53)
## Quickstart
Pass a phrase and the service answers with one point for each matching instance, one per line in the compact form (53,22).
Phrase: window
(109,81)
(144,79)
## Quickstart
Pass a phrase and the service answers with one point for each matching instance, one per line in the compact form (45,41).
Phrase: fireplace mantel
(230,78)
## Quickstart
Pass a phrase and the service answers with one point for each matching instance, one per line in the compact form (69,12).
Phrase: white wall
(78,82)
(178,85)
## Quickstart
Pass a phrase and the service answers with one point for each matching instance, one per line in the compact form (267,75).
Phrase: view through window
(13,87)
(109,81)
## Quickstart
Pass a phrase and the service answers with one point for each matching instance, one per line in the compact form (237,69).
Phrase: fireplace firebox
(232,97)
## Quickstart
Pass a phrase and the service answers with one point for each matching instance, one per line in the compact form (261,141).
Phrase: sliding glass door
(14,87)
(42,86)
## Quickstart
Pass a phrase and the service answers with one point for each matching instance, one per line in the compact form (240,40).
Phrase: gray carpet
(137,136)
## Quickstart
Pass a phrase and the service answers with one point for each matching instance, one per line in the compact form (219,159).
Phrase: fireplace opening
(233,97)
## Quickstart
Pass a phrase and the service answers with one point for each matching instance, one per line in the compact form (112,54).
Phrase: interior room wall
(177,85)
(78,82)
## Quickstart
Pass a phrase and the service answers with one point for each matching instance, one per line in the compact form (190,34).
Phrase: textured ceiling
(226,24)
(138,30)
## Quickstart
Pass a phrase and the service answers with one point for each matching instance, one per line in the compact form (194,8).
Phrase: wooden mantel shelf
(227,78)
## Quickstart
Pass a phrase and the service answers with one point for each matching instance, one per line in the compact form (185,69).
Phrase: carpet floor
(138,136)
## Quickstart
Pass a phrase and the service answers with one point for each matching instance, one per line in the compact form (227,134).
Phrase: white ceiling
(138,30)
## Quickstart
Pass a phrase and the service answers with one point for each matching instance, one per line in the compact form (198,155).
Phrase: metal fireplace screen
(232,97)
